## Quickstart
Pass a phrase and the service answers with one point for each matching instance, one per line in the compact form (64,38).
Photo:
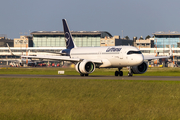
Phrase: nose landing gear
(130,73)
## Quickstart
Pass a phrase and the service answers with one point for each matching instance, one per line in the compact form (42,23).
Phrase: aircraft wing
(63,58)
(60,53)
(151,57)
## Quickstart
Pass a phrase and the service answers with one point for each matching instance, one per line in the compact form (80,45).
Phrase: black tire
(116,73)
(121,73)
(130,74)
(82,75)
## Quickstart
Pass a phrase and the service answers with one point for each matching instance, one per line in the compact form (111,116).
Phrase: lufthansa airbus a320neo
(86,59)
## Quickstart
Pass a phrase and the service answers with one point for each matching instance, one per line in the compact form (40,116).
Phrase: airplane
(24,60)
(86,59)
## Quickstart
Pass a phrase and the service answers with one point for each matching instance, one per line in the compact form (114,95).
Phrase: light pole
(122,34)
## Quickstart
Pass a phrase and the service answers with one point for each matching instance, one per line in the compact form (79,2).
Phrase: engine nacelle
(140,69)
(85,67)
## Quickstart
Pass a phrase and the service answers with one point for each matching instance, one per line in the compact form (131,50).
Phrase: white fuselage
(115,56)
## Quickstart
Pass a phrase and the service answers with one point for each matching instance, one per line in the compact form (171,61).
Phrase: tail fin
(68,37)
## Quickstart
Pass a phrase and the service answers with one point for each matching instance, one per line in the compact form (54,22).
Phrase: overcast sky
(134,17)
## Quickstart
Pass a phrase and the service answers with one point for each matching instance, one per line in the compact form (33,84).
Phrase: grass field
(64,99)
(72,71)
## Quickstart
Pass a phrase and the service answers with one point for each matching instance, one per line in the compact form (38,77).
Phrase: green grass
(65,99)
(72,71)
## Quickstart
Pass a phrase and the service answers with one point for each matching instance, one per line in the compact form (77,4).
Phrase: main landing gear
(119,72)
(84,74)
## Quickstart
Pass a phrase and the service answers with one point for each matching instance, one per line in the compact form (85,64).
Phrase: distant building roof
(166,33)
(4,41)
(102,33)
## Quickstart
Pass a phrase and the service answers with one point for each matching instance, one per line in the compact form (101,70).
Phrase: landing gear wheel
(86,74)
(130,74)
(82,75)
(116,73)
(121,73)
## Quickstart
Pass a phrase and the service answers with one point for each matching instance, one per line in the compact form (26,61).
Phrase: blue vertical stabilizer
(68,37)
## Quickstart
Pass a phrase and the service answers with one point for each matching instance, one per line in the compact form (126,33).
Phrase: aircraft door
(121,55)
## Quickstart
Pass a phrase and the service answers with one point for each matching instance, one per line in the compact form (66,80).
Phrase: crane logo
(67,38)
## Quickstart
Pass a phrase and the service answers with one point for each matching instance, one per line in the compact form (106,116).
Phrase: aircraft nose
(136,60)
(140,59)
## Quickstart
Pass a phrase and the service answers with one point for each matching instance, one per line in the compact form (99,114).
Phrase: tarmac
(94,77)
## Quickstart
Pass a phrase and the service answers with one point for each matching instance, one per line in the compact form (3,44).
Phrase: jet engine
(85,67)
(140,69)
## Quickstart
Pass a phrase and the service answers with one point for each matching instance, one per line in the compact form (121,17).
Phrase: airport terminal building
(164,39)
(56,38)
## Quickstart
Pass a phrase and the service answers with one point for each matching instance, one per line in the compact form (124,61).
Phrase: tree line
(141,38)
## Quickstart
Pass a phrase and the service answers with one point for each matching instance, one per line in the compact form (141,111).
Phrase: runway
(97,77)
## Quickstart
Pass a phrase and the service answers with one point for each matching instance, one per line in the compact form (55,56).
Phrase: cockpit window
(134,52)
